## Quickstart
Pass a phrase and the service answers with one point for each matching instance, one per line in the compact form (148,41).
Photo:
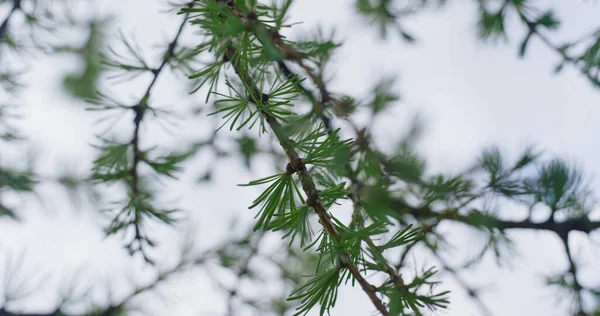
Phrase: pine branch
(140,108)
(562,229)
(296,165)
(287,51)
(313,200)
(137,206)
(326,96)
(357,218)
(580,223)
(534,30)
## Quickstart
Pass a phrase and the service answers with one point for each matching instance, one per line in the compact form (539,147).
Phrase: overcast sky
(469,94)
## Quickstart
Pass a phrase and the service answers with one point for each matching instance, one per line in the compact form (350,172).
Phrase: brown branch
(319,106)
(354,195)
(576,286)
(313,198)
(297,165)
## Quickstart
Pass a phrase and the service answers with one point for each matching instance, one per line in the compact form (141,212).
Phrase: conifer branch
(533,30)
(580,223)
(140,108)
(562,229)
(313,199)
(357,217)
(288,52)
(296,165)
(138,206)
(575,283)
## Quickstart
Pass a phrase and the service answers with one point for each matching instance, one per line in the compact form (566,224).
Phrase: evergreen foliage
(267,88)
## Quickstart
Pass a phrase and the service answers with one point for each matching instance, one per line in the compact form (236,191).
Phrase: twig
(234,292)
(576,284)
(140,109)
(470,291)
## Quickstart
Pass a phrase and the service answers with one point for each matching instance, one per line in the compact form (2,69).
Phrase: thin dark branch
(473,293)
(576,285)
(533,29)
(117,309)
(140,109)
(563,54)
(243,271)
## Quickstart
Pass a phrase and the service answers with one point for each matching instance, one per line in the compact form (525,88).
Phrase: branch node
(295,165)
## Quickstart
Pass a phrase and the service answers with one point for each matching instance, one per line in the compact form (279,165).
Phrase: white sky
(471,95)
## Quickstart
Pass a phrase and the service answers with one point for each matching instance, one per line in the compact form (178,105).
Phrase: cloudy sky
(469,94)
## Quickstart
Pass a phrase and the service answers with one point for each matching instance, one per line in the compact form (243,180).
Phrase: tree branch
(313,198)
(297,166)
(139,110)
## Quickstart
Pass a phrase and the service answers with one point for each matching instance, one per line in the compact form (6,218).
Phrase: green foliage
(446,189)
(16,181)
(399,302)
(408,166)
(126,66)
(403,237)
(276,199)
(327,153)
(112,164)
(322,290)
(257,79)
(491,25)
(247,148)
(559,187)
(380,13)
(296,222)
(242,110)
(210,74)
(383,95)
(83,84)
(166,165)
